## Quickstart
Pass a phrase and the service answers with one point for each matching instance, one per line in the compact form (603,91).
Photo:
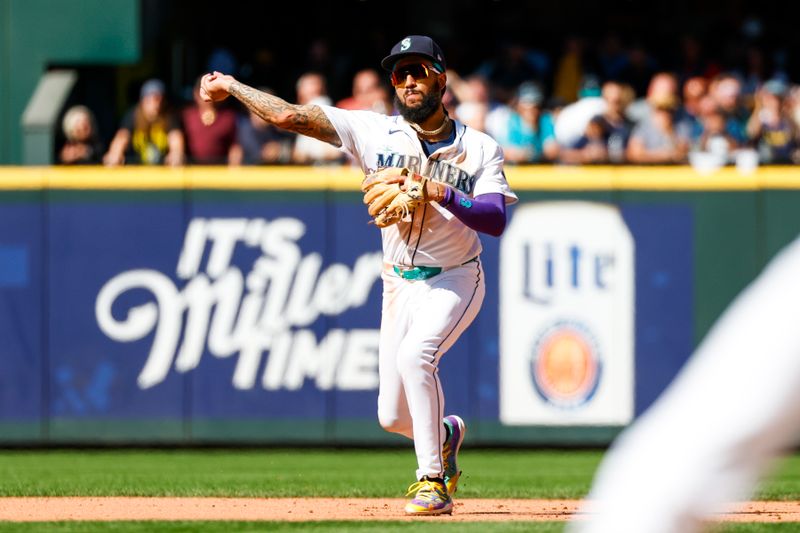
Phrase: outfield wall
(211,305)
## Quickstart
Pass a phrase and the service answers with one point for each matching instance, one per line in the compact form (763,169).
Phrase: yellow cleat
(431,498)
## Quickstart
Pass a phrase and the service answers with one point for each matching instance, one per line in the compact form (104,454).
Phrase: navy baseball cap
(418,45)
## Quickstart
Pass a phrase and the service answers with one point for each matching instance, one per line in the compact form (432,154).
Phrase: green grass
(345,473)
(760,528)
(283,473)
(276,473)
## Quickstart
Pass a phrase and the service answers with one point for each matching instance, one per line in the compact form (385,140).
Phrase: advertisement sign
(257,312)
(255,318)
(567,316)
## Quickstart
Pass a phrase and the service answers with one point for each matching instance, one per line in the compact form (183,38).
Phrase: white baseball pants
(420,321)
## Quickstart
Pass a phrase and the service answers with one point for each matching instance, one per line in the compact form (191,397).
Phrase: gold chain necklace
(431,133)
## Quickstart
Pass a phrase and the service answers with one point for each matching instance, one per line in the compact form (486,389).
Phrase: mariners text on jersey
(435,169)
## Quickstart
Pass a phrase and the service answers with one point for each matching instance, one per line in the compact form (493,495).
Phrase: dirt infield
(304,509)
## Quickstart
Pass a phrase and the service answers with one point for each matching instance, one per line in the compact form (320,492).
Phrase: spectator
(382,101)
(469,109)
(726,90)
(312,89)
(449,99)
(715,137)
(771,127)
(477,108)
(688,118)
(590,87)
(366,91)
(591,147)
(663,87)
(656,139)
(149,133)
(260,142)
(473,114)
(617,97)
(82,146)
(210,132)
(793,103)
(572,119)
(530,132)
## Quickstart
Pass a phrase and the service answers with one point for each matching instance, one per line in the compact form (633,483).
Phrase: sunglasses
(418,71)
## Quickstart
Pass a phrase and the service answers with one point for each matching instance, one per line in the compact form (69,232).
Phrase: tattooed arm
(307,120)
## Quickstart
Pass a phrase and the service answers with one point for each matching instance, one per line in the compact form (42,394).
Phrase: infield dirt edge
(45,509)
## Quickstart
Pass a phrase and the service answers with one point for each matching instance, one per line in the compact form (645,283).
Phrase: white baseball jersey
(473,164)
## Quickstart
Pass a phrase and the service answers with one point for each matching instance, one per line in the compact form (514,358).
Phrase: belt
(424,272)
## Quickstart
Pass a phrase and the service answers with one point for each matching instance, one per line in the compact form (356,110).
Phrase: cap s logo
(405,43)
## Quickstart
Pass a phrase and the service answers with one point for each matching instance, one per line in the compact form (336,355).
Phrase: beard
(418,114)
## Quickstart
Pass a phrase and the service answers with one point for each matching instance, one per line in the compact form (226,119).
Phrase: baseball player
(718,427)
(433,281)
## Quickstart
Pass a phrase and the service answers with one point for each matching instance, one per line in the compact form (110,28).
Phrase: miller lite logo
(565,364)
(566,316)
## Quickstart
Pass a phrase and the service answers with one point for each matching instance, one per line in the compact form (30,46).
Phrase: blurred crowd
(624,109)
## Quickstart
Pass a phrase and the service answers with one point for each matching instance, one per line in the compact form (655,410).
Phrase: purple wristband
(485,213)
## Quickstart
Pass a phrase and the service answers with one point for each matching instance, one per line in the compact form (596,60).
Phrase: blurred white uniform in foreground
(715,430)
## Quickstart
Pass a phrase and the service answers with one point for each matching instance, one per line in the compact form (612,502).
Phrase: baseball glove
(389,199)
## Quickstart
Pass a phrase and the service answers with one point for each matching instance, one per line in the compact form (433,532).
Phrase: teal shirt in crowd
(521,135)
